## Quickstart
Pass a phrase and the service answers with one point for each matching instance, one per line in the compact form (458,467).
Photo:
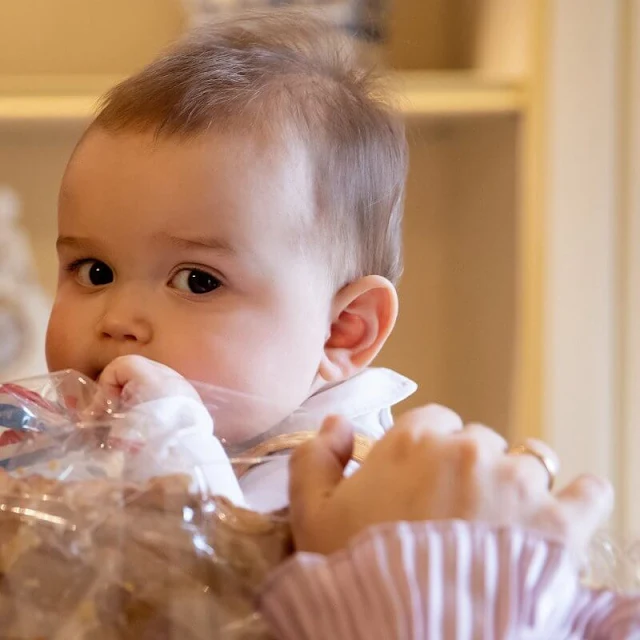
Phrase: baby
(234,213)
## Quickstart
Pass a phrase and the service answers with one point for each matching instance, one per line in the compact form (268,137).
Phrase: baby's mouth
(95,374)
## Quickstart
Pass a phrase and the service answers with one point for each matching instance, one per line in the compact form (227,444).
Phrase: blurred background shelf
(455,93)
(50,99)
(21,110)
(509,302)
(465,78)
(54,100)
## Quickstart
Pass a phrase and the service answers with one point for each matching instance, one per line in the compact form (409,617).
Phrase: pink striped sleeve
(442,580)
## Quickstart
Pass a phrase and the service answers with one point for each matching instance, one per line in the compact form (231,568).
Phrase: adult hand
(430,467)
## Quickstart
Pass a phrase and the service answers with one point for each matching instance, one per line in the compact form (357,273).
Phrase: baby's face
(191,253)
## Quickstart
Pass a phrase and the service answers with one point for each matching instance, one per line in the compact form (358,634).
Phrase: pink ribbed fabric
(451,580)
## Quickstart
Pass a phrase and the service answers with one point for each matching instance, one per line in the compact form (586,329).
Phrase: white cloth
(365,399)
(176,435)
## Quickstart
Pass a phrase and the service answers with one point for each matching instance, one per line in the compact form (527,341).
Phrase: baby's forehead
(223,182)
(245,159)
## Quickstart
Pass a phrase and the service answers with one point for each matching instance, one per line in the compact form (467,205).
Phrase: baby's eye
(93,273)
(195,281)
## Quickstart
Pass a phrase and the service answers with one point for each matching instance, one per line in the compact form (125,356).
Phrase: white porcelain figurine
(24,308)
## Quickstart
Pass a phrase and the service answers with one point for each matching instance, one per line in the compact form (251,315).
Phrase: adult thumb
(317,466)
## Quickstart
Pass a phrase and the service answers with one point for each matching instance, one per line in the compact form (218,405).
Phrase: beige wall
(581,262)
(32,163)
(630,285)
(113,37)
(456,333)
(84,36)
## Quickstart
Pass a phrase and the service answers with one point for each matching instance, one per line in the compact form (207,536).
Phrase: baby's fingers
(125,375)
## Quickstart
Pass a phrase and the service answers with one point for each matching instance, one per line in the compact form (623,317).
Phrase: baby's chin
(93,373)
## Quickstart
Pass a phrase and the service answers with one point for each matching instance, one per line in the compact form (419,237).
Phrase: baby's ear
(364,314)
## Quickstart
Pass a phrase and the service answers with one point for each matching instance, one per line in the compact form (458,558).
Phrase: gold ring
(548,463)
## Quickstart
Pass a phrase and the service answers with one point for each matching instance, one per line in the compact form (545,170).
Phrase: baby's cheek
(66,341)
(206,360)
(56,342)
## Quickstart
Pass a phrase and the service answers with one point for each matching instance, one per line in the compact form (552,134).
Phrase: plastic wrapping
(118,522)
(613,563)
(126,522)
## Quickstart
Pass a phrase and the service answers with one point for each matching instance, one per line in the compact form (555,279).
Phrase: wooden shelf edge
(50,100)
(421,94)
(437,94)
(46,109)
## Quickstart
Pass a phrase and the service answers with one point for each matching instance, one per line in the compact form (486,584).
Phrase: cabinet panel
(33,164)
(456,333)
(492,37)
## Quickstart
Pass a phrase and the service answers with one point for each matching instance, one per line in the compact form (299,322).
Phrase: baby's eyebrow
(71,242)
(217,244)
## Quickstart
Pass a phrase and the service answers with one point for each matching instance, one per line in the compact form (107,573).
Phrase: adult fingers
(433,418)
(486,440)
(586,503)
(317,466)
(537,462)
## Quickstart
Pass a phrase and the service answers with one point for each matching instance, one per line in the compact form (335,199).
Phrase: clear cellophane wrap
(124,523)
(110,529)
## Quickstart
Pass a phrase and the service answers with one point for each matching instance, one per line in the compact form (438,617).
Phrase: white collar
(368,394)
(370,391)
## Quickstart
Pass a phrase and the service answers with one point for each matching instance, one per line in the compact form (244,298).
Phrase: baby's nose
(127,331)
(125,321)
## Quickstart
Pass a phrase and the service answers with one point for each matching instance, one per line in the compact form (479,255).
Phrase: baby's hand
(135,380)
(428,467)
(167,419)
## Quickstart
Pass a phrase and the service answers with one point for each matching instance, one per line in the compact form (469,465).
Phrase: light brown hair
(284,72)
